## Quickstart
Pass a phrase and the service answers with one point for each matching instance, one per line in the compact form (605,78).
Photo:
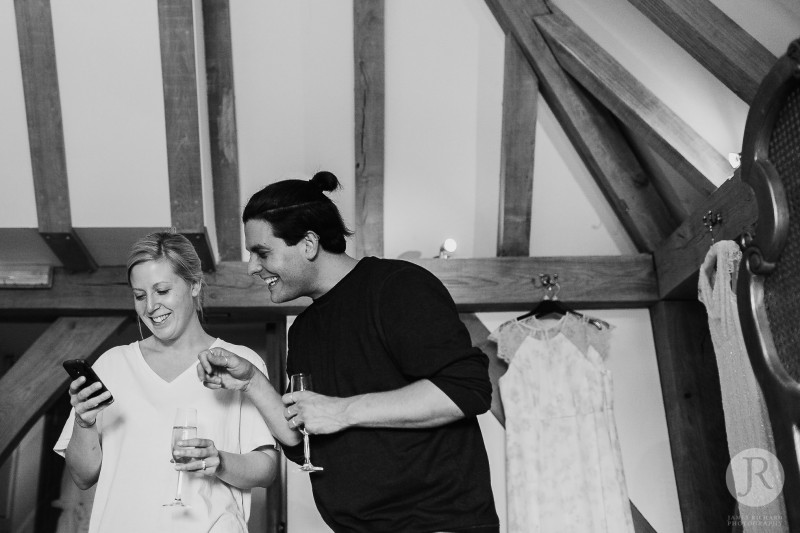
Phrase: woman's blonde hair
(178,251)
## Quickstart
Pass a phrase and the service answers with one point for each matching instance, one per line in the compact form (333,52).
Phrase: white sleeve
(253,430)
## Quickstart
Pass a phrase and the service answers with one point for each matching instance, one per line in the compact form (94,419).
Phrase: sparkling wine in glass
(297,383)
(183,428)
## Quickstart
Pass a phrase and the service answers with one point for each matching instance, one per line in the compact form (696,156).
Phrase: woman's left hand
(204,456)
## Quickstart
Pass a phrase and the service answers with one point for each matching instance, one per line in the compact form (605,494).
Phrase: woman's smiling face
(163,300)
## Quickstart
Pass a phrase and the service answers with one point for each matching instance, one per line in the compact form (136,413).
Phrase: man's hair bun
(325,181)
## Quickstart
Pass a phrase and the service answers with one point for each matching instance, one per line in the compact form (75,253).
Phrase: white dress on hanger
(563,463)
(746,418)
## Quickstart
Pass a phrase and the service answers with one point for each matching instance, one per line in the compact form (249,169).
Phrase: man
(397,383)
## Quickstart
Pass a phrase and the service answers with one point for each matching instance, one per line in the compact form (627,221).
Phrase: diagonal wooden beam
(181,114)
(490,284)
(679,258)
(46,133)
(518,143)
(592,131)
(714,39)
(633,104)
(37,379)
(370,80)
(224,143)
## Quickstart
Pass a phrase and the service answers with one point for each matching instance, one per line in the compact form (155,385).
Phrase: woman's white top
(137,477)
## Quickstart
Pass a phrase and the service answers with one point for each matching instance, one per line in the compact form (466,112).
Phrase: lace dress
(746,419)
(563,462)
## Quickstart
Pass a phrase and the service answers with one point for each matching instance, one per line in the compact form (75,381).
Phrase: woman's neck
(187,345)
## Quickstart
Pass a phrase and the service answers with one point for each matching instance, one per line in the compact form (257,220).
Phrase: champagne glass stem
(306,447)
(178,491)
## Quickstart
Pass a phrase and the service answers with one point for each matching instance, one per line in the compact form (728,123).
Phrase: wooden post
(520,101)
(182,120)
(277,514)
(369,58)
(46,134)
(695,421)
(224,143)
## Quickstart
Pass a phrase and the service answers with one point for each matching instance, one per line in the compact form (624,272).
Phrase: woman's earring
(139,323)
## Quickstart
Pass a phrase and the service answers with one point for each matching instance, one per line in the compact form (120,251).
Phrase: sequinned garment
(746,419)
(563,462)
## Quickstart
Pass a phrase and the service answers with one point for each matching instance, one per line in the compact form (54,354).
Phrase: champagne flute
(297,383)
(183,428)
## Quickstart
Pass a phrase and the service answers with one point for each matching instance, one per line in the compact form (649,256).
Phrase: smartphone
(77,368)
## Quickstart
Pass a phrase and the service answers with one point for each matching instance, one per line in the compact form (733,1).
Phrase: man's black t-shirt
(387,324)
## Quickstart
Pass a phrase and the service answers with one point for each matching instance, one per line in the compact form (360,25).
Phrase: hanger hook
(550,285)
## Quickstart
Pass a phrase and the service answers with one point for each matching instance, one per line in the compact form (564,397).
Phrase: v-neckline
(156,375)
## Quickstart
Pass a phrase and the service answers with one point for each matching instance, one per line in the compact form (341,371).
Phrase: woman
(125,447)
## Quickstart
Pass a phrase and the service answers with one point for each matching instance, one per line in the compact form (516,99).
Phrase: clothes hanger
(551,305)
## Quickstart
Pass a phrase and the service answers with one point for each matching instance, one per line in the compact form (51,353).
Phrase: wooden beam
(26,276)
(275,331)
(518,141)
(46,133)
(633,104)
(714,39)
(224,142)
(490,284)
(693,406)
(181,113)
(679,258)
(592,131)
(370,80)
(37,378)
(497,367)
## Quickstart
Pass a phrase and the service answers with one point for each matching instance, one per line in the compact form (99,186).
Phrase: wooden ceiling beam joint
(592,131)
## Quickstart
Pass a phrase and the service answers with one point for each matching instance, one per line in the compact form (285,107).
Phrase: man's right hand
(220,369)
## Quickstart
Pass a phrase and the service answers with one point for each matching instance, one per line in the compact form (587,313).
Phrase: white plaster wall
(293,69)
(17,199)
(109,74)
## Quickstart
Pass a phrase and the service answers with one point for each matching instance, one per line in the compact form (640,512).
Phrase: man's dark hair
(294,207)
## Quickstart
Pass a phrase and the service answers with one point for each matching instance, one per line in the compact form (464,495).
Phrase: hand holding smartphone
(77,368)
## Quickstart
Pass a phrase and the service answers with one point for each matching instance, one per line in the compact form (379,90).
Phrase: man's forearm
(418,405)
